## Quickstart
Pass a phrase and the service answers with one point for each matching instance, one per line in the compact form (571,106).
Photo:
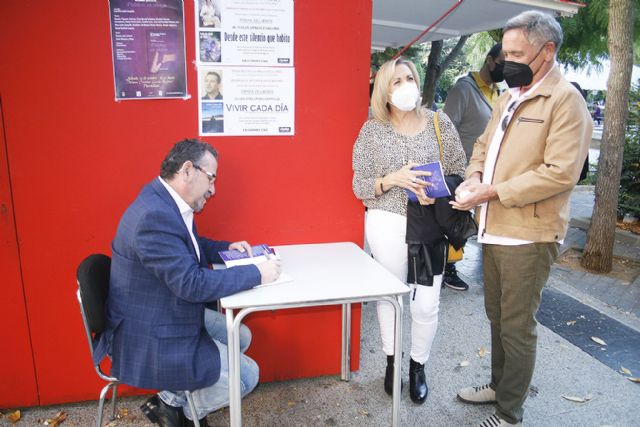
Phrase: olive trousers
(513,280)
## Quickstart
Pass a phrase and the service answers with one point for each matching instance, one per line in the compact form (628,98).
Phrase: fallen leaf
(465,363)
(634,379)
(625,371)
(482,352)
(14,416)
(363,412)
(578,399)
(57,420)
(571,322)
(291,404)
(599,340)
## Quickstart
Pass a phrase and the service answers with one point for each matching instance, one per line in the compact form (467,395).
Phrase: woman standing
(400,136)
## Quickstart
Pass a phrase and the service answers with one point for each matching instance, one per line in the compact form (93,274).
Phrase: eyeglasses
(507,118)
(210,175)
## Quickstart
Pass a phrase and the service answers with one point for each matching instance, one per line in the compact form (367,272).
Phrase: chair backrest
(93,283)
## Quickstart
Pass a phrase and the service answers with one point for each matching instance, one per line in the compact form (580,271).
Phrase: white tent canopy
(397,22)
(596,79)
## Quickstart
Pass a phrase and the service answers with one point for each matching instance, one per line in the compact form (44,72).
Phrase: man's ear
(490,62)
(549,51)
(187,168)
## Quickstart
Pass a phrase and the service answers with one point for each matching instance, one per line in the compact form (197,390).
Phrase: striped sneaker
(495,421)
(477,395)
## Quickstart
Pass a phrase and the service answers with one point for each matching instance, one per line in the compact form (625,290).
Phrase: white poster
(244,32)
(246,100)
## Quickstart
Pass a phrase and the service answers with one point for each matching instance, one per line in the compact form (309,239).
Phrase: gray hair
(538,28)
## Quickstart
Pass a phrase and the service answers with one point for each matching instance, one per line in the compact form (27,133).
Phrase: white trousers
(385,233)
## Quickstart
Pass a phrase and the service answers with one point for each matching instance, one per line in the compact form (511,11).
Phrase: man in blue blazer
(161,335)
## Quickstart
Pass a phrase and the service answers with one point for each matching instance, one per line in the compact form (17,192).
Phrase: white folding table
(323,274)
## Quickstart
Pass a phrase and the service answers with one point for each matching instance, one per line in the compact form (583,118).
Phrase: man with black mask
(521,174)
(469,105)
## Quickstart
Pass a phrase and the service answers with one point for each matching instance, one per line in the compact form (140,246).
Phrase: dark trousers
(513,280)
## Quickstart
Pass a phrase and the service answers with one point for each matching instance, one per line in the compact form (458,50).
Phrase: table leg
(395,408)
(346,342)
(235,412)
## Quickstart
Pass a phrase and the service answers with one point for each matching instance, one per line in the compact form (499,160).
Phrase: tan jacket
(540,159)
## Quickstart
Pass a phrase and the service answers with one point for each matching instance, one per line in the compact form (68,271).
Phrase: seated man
(160,335)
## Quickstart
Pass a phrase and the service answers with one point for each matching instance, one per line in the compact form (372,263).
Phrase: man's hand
(472,193)
(242,246)
(269,270)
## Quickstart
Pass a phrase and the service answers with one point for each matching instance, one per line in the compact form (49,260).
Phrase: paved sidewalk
(563,369)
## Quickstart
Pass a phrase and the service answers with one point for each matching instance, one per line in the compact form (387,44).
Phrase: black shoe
(451,279)
(388,377)
(418,389)
(162,414)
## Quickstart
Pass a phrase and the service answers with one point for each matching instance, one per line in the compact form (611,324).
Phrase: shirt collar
(481,83)
(183,207)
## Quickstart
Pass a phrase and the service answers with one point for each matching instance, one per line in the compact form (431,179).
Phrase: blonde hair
(380,96)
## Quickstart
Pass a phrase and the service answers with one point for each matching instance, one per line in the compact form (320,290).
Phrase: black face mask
(517,74)
(497,74)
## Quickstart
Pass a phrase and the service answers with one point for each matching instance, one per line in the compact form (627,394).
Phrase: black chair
(93,289)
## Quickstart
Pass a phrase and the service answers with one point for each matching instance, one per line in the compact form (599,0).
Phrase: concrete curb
(581,188)
(622,236)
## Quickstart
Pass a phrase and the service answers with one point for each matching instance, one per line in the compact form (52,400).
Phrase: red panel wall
(77,158)
(17,375)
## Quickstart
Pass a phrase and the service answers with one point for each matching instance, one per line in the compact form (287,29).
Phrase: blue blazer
(158,291)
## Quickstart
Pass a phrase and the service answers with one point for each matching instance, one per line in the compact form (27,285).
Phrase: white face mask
(405,97)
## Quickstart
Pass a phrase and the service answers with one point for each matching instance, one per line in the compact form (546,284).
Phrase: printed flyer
(246,100)
(147,41)
(244,32)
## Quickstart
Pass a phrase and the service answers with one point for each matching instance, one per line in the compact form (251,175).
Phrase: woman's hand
(423,199)
(409,179)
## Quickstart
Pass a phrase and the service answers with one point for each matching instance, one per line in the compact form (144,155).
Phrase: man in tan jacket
(520,175)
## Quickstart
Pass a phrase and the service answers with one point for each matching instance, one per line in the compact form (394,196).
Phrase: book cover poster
(148,46)
(246,100)
(245,32)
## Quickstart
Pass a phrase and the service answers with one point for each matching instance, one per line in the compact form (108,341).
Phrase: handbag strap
(436,125)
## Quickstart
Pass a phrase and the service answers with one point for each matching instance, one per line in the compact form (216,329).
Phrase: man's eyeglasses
(507,118)
(210,175)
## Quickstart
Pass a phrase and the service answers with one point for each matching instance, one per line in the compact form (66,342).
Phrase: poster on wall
(148,46)
(246,100)
(244,32)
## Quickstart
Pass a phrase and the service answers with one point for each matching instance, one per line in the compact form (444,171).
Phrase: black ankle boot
(160,413)
(388,377)
(418,389)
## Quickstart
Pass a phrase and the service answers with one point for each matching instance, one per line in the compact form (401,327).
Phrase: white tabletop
(322,272)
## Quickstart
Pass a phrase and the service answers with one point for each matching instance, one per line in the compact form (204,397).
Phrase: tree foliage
(629,199)
(585,35)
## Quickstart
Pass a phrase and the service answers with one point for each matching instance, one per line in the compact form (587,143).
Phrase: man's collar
(183,207)
(481,83)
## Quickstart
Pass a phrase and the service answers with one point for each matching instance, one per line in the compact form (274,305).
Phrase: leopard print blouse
(380,150)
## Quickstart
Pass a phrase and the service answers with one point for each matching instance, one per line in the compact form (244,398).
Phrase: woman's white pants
(385,233)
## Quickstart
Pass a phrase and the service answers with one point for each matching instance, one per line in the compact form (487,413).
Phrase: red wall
(77,158)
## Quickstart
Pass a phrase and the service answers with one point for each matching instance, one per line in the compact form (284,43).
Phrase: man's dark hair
(213,73)
(187,149)
(495,50)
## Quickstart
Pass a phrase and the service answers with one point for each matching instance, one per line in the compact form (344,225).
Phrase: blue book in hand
(438,187)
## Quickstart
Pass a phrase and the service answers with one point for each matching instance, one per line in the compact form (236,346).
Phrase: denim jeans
(216,396)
